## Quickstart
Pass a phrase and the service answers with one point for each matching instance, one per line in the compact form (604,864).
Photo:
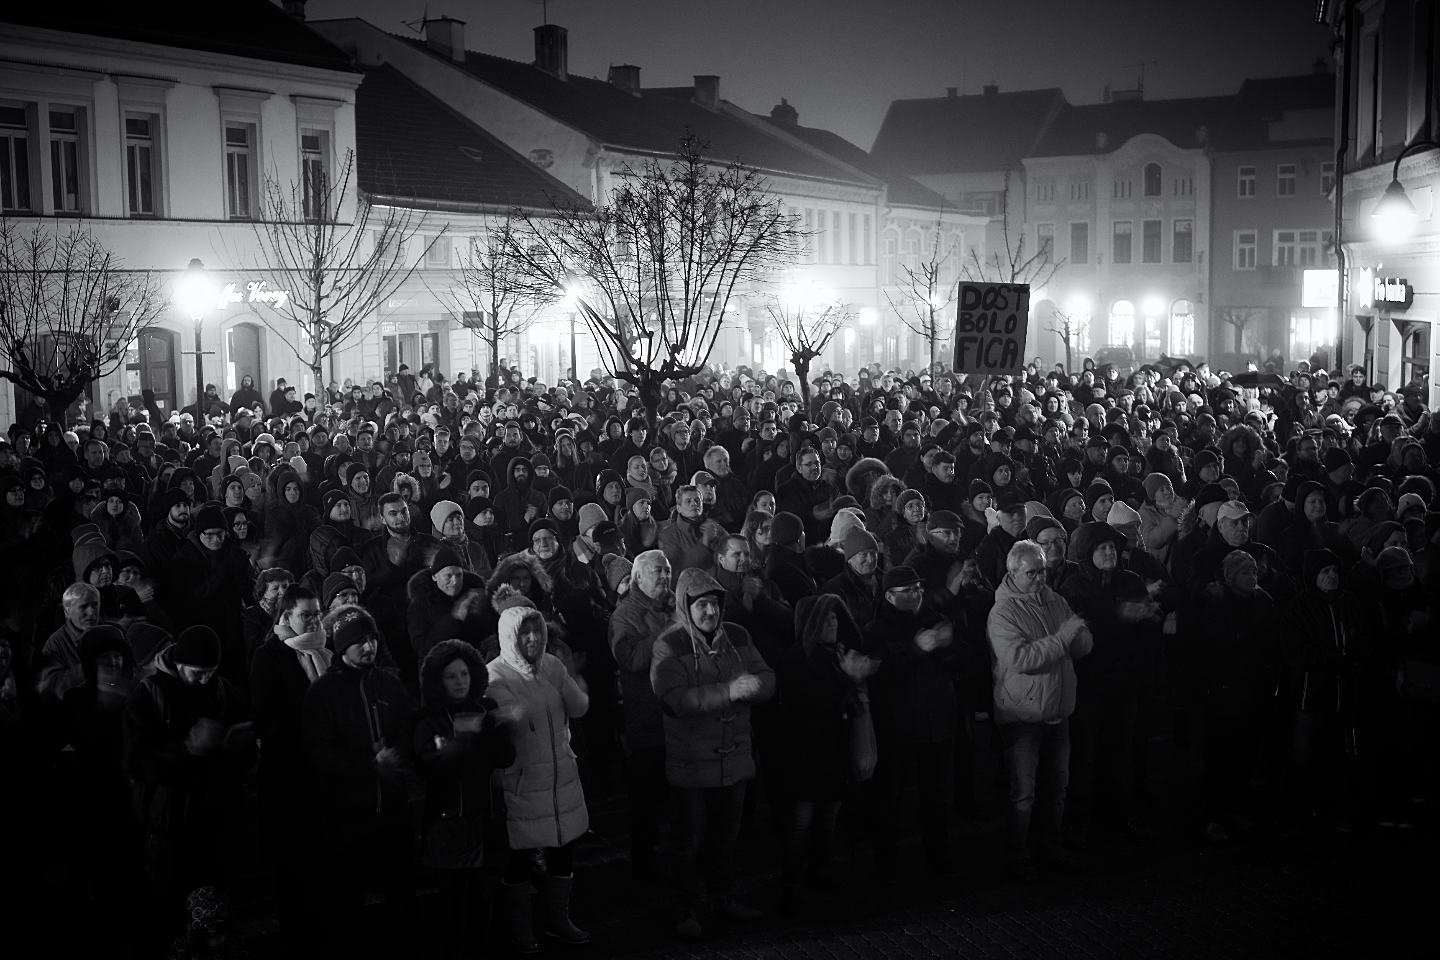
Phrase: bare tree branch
(924,293)
(662,260)
(68,310)
(1073,331)
(806,333)
(1239,318)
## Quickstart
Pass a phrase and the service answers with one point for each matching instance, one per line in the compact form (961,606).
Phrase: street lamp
(195,293)
(1395,214)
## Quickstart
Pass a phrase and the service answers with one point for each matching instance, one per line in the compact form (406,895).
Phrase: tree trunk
(802,371)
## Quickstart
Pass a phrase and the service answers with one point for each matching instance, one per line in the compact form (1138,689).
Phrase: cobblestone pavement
(1369,893)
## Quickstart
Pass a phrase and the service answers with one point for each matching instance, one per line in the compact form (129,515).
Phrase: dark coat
(1120,655)
(429,614)
(786,569)
(914,692)
(1322,638)
(817,703)
(633,630)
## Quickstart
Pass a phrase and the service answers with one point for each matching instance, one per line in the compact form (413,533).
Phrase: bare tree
(806,332)
(1012,263)
(497,294)
(68,310)
(662,259)
(1240,318)
(1073,330)
(336,273)
(924,293)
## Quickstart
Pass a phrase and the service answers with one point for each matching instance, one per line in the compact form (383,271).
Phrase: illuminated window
(1122,323)
(1182,328)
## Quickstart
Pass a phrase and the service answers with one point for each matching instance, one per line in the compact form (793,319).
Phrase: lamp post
(195,293)
(1395,213)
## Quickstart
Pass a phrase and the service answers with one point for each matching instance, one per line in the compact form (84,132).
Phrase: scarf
(312,653)
(461,546)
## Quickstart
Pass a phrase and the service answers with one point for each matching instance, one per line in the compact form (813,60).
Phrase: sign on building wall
(990,328)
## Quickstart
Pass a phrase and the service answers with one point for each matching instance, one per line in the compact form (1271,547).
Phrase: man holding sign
(990,328)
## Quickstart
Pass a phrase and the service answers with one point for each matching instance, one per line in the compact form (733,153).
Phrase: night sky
(841,62)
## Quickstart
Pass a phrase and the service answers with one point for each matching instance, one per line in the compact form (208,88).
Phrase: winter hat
(1153,484)
(1038,523)
(328,501)
(209,517)
(1211,493)
(558,493)
(1335,458)
(334,583)
(607,536)
(785,529)
(617,571)
(634,495)
(1393,557)
(442,511)
(844,521)
(352,625)
(976,488)
(901,576)
(590,514)
(1205,458)
(1097,489)
(858,540)
(1034,508)
(1408,502)
(1121,514)
(906,496)
(543,523)
(174,496)
(197,646)
(344,557)
(444,557)
(945,520)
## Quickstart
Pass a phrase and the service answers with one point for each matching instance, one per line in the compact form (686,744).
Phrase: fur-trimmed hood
(524,558)
(881,486)
(856,480)
(432,691)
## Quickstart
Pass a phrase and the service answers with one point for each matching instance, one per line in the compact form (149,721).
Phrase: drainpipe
(1341,148)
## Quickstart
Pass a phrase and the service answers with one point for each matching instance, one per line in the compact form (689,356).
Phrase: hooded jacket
(817,702)
(430,613)
(544,802)
(1033,666)
(1323,642)
(1122,650)
(707,735)
(636,625)
(517,497)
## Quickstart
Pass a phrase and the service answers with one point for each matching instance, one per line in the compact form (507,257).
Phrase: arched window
(1182,328)
(1152,179)
(1122,323)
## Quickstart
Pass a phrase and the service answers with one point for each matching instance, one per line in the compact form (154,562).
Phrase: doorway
(242,356)
(414,350)
(150,365)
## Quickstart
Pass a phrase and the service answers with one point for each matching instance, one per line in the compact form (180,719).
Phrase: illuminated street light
(1395,214)
(196,292)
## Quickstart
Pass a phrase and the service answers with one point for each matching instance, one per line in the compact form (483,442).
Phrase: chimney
(707,91)
(552,50)
(991,89)
(446,36)
(296,8)
(784,114)
(952,92)
(625,77)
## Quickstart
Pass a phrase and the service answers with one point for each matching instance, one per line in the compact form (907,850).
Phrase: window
(889,250)
(912,247)
(1045,192)
(1182,242)
(1285,251)
(438,254)
(14,158)
(812,242)
(1045,240)
(140,165)
(1152,179)
(1122,323)
(1285,180)
(1246,186)
(315,173)
(1182,328)
(239,169)
(1080,190)
(65,160)
(822,251)
(1120,190)
(1150,241)
(1327,178)
(1183,187)
(1245,250)
(868,234)
(1121,245)
(835,236)
(852,247)
(1080,242)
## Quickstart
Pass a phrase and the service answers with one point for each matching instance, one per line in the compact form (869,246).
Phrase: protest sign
(990,328)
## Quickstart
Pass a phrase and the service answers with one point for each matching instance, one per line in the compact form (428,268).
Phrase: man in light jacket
(1034,639)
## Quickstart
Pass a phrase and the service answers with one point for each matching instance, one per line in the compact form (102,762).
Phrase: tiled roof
(901,190)
(965,134)
(409,145)
(1262,101)
(1077,130)
(653,122)
(242,28)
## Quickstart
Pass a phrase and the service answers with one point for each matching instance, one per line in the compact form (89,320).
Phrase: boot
(557,918)
(522,932)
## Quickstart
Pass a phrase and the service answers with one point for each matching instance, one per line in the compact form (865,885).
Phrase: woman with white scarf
(291,658)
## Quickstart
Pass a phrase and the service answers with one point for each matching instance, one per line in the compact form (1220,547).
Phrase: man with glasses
(916,719)
(1034,639)
(1051,537)
(807,495)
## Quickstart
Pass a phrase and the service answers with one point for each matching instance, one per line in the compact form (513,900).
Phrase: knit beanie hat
(197,646)
(1408,502)
(1392,557)
(1211,493)
(1036,524)
(442,511)
(1153,484)
(1034,508)
(858,540)
(173,496)
(1335,458)
(1122,513)
(444,557)
(352,625)
(558,493)
(342,558)
(976,488)
(617,571)
(590,514)
(906,496)
(901,576)
(209,517)
(785,529)
(843,522)
(634,495)
(543,523)
(334,583)
(328,502)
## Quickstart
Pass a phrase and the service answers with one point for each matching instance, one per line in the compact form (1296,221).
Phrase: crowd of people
(421,622)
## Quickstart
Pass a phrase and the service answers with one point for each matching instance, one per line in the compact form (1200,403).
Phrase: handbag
(864,751)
